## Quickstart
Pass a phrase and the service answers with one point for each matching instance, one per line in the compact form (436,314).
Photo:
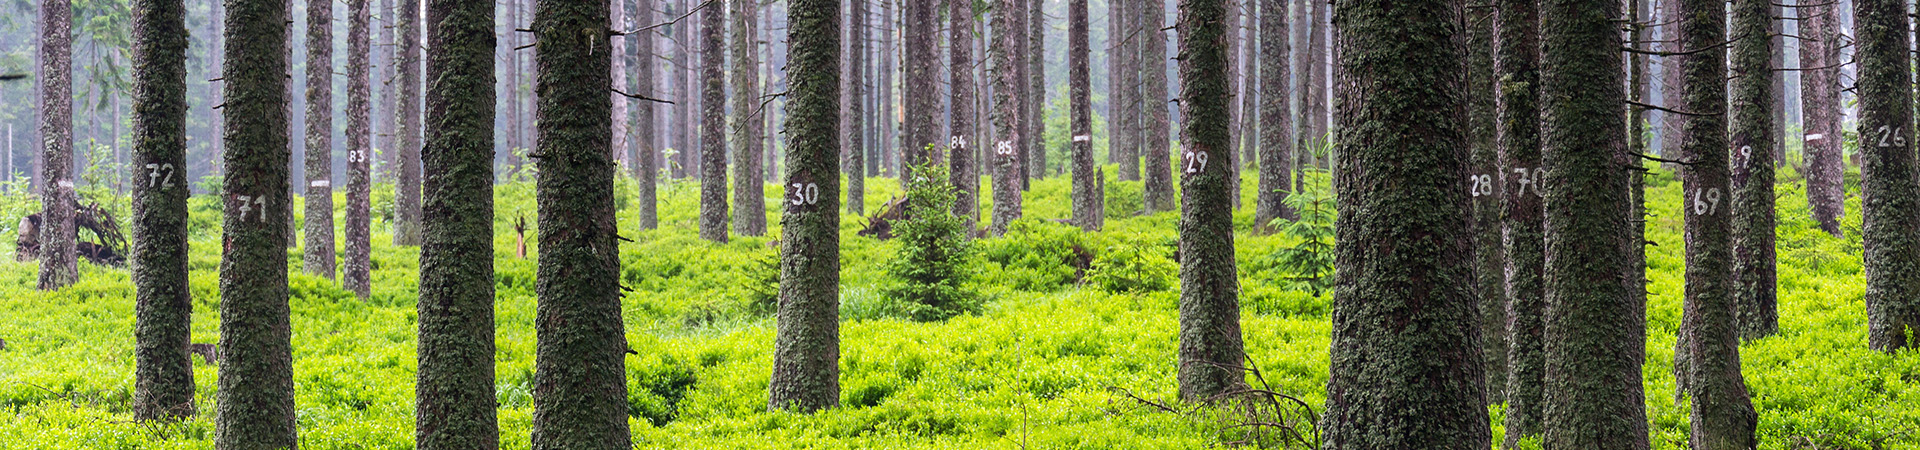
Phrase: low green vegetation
(1063,319)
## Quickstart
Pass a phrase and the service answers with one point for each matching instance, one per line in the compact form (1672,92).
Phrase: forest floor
(1069,317)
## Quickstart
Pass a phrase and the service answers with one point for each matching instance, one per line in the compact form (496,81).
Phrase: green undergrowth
(1068,320)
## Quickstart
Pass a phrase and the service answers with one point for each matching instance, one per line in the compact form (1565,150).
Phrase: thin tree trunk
(882,157)
(579,380)
(1086,213)
(1313,132)
(388,131)
(1672,126)
(515,139)
(1752,171)
(1820,114)
(853,120)
(1516,63)
(1123,110)
(255,396)
(1006,114)
(406,196)
(713,124)
(621,108)
(683,127)
(214,137)
(1401,345)
(1777,47)
(1211,353)
(163,370)
(1250,95)
(317,257)
(1490,254)
(1036,97)
(748,192)
(1276,122)
(1634,239)
(358,230)
(962,163)
(1888,197)
(58,264)
(644,152)
(1152,137)
(920,101)
(806,358)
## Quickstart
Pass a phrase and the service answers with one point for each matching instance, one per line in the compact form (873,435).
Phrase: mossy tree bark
(713,123)
(317,256)
(1006,115)
(59,265)
(1592,397)
(1888,196)
(1211,352)
(579,380)
(853,118)
(645,155)
(1752,171)
(358,230)
(1276,121)
(1634,240)
(406,196)
(163,302)
(1516,63)
(1313,97)
(1722,416)
(256,371)
(454,385)
(749,197)
(1405,367)
(1154,124)
(1490,253)
(962,168)
(806,355)
(1820,113)
(1086,212)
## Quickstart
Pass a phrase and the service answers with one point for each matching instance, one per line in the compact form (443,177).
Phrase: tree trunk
(1123,91)
(1085,199)
(1490,254)
(1516,66)
(454,384)
(1752,171)
(388,131)
(211,117)
(853,120)
(58,264)
(713,123)
(644,153)
(317,257)
(1405,333)
(962,163)
(1036,97)
(683,128)
(1820,114)
(1022,88)
(1152,137)
(881,157)
(163,370)
(255,396)
(1211,353)
(921,97)
(1722,416)
(1778,61)
(748,194)
(1672,126)
(1634,240)
(1276,122)
(359,233)
(1006,114)
(511,49)
(1313,132)
(1887,174)
(579,380)
(1592,398)
(806,358)
(406,196)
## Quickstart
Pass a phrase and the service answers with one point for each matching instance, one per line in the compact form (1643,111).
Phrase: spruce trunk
(1752,171)
(357,273)
(806,355)
(1211,353)
(1086,213)
(1888,195)
(317,256)
(163,302)
(1276,121)
(59,265)
(713,123)
(1152,138)
(749,196)
(1522,193)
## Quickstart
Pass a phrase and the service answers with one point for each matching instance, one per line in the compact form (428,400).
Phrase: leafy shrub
(1309,262)
(929,272)
(1135,267)
(1037,255)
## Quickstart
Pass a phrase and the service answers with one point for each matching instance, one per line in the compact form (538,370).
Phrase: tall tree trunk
(317,257)
(255,395)
(622,111)
(748,194)
(853,119)
(771,71)
(882,156)
(920,99)
(1152,137)
(1752,171)
(163,370)
(962,163)
(1006,113)
(645,154)
(1634,239)
(58,264)
(358,230)
(1820,114)
(683,128)
(806,355)
(1211,352)
(1251,96)
(1123,104)
(1672,126)
(388,131)
(1276,122)
(1086,212)
(579,380)
(1490,253)
(1516,63)
(1777,47)
(1722,416)
(1887,173)
(1036,97)
(1592,398)
(406,196)
(1401,345)
(214,136)
(713,123)
(1313,96)
(511,48)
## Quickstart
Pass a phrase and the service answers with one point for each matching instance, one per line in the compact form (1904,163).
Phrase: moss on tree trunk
(163,302)
(806,355)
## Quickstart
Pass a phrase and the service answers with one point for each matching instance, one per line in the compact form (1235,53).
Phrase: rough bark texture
(1313,99)
(406,195)
(713,123)
(1820,113)
(1753,143)
(1086,213)
(1634,240)
(1276,122)
(749,197)
(579,380)
(211,115)
(256,371)
(1211,352)
(645,155)
(1022,88)
(1036,93)
(1888,196)
(389,120)
(961,160)
(1672,126)
(1405,367)
(882,155)
(59,266)
(516,140)
(1152,137)
(1722,416)
(1123,105)
(1006,115)
(806,355)
(454,385)
(1490,254)
(1592,398)
(163,302)
(683,127)
(853,119)
(920,100)
(358,272)
(1516,62)
(317,256)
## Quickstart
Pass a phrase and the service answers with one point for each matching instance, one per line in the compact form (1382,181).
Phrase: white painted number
(1196,162)
(1480,184)
(1530,178)
(806,194)
(1706,203)
(246,205)
(160,175)
(1746,154)
(958,142)
(356,156)
(1004,148)
(1890,137)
